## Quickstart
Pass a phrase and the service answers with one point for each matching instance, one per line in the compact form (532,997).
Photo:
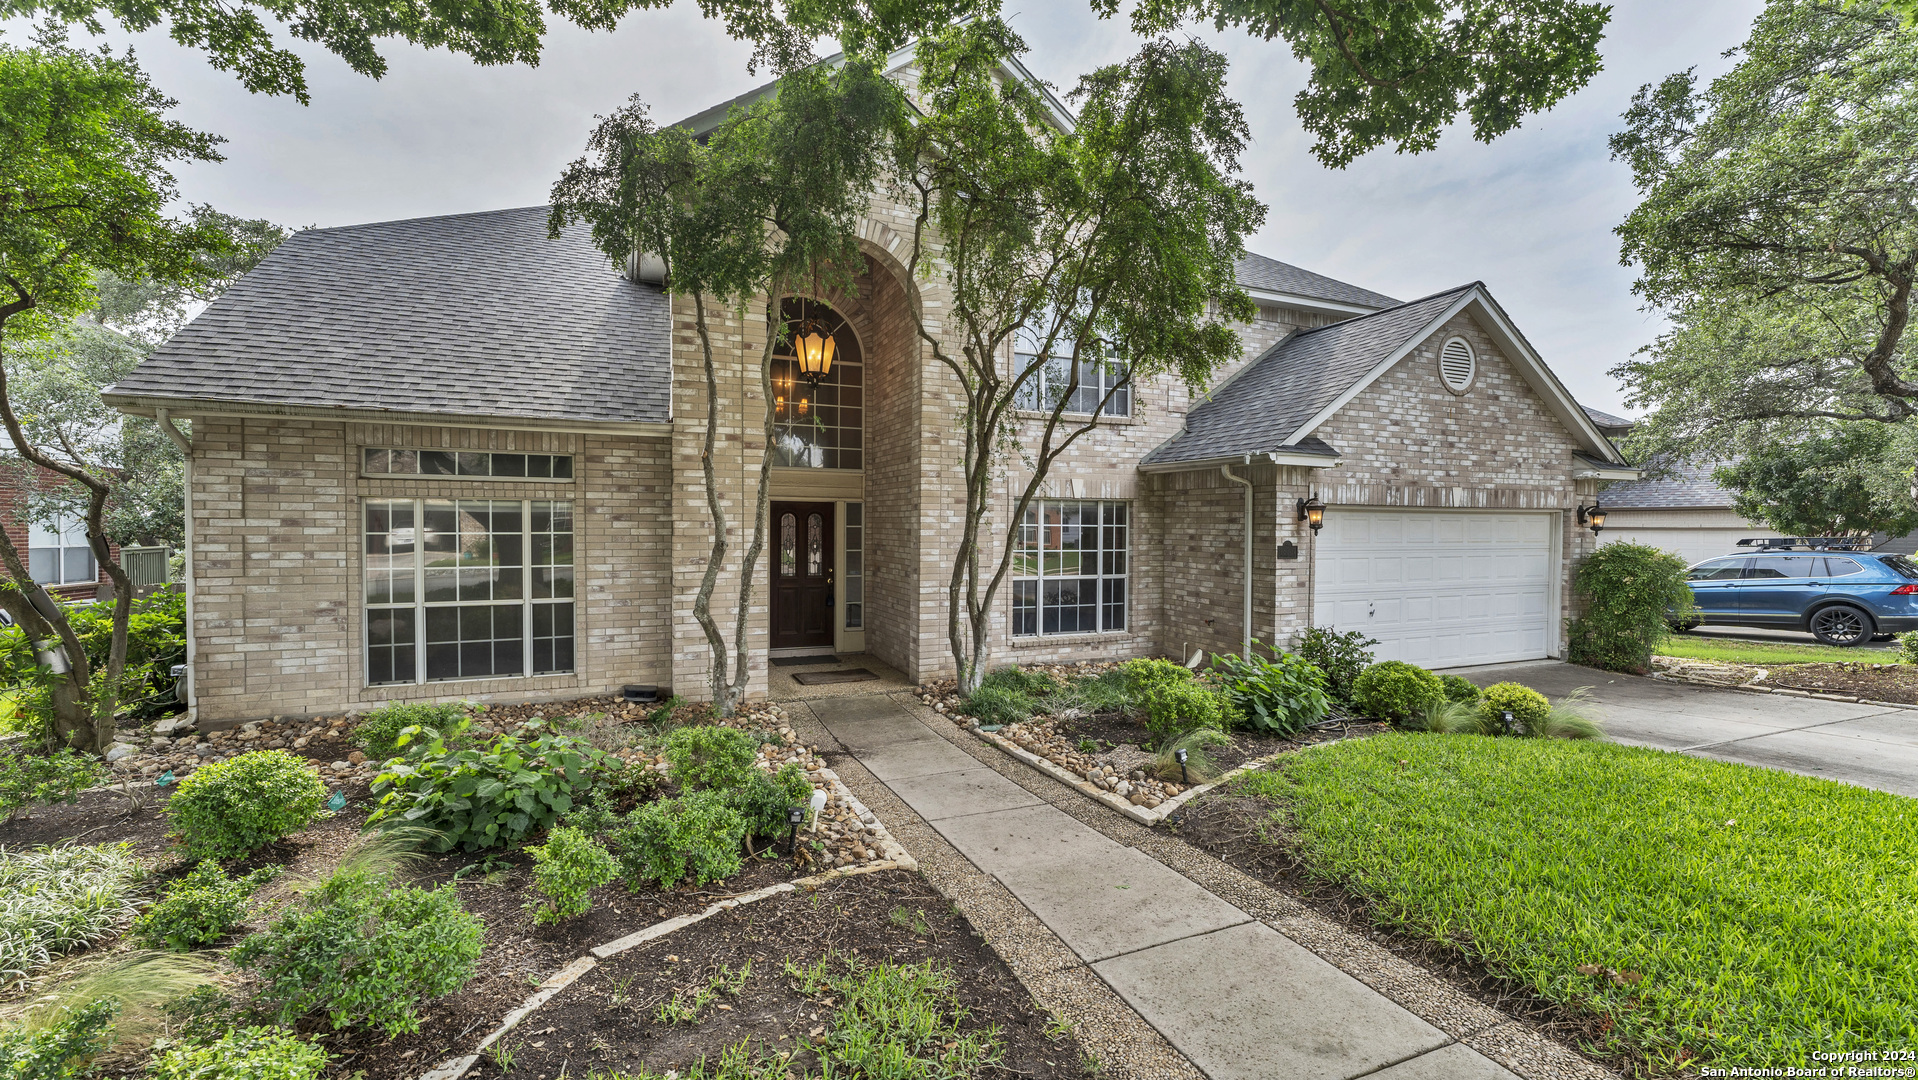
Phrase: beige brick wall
(278,572)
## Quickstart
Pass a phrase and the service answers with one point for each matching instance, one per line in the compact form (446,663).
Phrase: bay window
(467,589)
(1069,569)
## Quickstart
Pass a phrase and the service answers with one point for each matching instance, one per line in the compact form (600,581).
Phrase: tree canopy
(1107,245)
(1779,231)
(1833,481)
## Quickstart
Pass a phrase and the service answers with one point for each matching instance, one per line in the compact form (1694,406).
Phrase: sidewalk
(1236,996)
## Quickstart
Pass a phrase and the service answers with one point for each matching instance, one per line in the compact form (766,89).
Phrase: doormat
(803,661)
(821,678)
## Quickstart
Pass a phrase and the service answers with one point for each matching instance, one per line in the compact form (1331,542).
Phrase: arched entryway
(817,573)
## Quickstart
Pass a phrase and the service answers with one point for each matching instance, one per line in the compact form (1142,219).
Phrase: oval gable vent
(1457,365)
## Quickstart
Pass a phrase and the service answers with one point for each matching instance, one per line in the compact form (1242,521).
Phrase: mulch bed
(1239,830)
(1897,683)
(607,1021)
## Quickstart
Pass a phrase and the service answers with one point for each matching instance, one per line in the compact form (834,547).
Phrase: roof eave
(1299,459)
(1305,303)
(145,404)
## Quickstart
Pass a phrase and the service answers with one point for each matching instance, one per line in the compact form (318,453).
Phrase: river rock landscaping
(614,818)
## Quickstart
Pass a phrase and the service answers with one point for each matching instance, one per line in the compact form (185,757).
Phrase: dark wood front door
(802,575)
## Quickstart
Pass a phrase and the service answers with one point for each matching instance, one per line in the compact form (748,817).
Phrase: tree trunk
(762,505)
(702,603)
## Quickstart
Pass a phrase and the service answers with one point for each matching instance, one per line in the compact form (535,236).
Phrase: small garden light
(1180,755)
(1511,722)
(795,814)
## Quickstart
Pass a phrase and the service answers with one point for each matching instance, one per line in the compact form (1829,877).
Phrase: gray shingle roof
(1605,420)
(471,314)
(1686,486)
(1294,380)
(1259,272)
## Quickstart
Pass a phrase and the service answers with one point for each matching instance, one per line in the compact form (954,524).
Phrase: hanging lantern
(813,344)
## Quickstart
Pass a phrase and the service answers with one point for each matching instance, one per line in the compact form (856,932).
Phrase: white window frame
(66,534)
(1110,564)
(368,460)
(1037,393)
(419,605)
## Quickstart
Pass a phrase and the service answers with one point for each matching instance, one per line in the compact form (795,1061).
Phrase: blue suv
(1843,597)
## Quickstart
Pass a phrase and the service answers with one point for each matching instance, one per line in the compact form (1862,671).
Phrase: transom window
(819,427)
(1069,571)
(468,463)
(58,554)
(479,588)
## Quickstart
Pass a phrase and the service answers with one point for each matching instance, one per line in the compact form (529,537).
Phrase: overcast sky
(1530,215)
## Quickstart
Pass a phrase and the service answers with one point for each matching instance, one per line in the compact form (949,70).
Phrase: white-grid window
(381,462)
(1069,571)
(1098,376)
(855,569)
(57,552)
(468,589)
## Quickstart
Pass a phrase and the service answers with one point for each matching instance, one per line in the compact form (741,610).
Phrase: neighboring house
(56,551)
(451,458)
(1683,511)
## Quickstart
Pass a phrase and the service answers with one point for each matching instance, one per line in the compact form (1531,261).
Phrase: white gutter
(148,405)
(1279,457)
(1246,649)
(186,448)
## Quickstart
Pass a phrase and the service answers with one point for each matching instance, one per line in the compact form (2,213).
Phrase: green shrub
(1459,689)
(28,779)
(1908,647)
(379,733)
(1396,690)
(1445,717)
(1630,594)
(1144,676)
(1104,693)
(156,640)
(565,868)
(1526,705)
(709,756)
(617,789)
(1174,708)
(253,1053)
(1199,768)
(1280,696)
(494,795)
(232,808)
(62,1050)
(1343,657)
(199,909)
(998,705)
(1032,684)
(695,835)
(763,802)
(366,950)
(56,900)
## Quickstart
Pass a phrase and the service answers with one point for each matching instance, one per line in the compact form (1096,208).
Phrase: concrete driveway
(1867,745)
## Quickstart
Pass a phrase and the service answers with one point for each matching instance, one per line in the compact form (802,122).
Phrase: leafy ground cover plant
(1173,709)
(694,836)
(379,733)
(29,779)
(56,900)
(710,756)
(1341,656)
(59,1051)
(1710,913)
(1279,696)
(565,869)
(493,795)
(765,800)
(893,1020)
(199,909)
(365,949)
(1396,690)
(230,809)
(1631,595)
(250,1053)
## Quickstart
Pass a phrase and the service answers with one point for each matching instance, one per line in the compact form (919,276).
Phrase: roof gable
(1276,403)
(473,315)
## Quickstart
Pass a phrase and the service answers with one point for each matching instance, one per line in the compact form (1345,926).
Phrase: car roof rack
(1806,543)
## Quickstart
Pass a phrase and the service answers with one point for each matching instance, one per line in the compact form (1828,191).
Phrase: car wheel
(1841,625)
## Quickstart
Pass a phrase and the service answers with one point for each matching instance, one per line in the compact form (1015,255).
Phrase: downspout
(1246,622)
(186,450)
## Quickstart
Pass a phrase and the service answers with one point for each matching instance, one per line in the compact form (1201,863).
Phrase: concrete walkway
(1238,998)
(1867,745)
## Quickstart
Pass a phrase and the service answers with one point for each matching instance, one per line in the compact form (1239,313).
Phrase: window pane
(1842,567)
(788,545)
(563,467)
(471,464)
(539,465)
(390,646)
(552,638)
(44,565)
(1113,603)
(404,462)
(375,461)
(1025,608)
(509,464)
(474,641)
(79,565)
(437,463)
(815,545)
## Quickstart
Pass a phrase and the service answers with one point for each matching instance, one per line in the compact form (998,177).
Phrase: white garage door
(1436,588)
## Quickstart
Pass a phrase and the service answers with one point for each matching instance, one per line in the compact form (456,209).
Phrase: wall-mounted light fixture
(1312,512)
(1592,516)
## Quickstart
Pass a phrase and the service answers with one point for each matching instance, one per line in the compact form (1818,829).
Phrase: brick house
(452,458)
(56,551)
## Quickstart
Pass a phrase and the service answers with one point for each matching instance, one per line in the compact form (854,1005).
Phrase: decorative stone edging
(1140,814)
(896,859)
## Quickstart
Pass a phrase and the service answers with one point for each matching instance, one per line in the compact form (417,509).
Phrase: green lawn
(1767,652)
(1751,916)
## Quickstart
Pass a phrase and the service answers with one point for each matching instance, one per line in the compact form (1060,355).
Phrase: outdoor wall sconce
(1312,512)
(1592,516)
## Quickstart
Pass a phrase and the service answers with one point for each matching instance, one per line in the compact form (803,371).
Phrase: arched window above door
(820,427)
